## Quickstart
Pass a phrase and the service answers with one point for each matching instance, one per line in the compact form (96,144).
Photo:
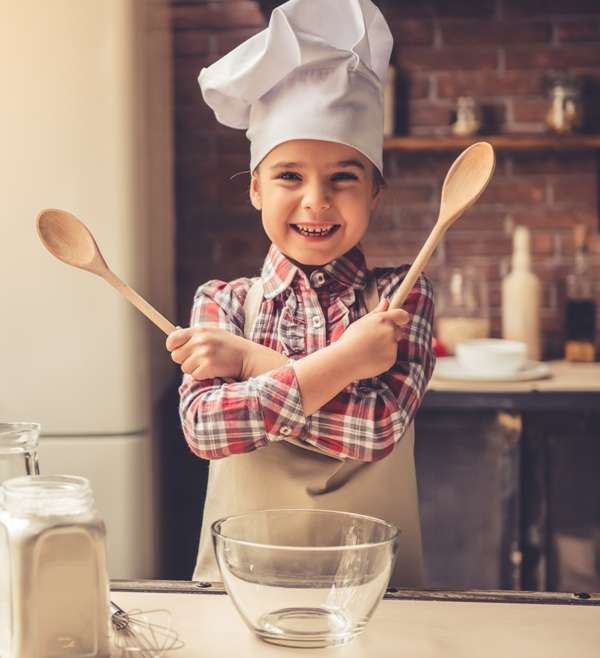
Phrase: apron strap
(252,306)
(371,292)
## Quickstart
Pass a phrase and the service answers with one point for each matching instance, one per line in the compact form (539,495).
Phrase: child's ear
(255,198)
(376,199)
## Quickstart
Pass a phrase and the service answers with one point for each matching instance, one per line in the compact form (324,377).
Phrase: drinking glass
(462,307)
(19,450)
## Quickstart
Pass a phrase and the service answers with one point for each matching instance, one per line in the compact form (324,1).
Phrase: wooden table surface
(565,377)
(406,624)
(571,387)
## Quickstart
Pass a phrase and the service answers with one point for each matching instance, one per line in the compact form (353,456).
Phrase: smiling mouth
(315,230)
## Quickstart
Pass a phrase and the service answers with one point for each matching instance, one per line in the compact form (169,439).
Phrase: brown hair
(378,181)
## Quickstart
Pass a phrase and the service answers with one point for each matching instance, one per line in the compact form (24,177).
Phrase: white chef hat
(316,72)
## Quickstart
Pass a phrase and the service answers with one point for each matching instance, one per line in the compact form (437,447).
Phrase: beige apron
(286,475)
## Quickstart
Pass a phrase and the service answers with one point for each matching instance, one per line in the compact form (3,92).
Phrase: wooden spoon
(466,179)
(67,238)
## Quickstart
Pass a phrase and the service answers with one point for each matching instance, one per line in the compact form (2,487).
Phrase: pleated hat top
(316,72)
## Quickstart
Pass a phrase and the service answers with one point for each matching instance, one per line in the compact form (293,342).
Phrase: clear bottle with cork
(580,307)
(521,298)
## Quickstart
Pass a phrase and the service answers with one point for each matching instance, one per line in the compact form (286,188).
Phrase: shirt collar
(278,272)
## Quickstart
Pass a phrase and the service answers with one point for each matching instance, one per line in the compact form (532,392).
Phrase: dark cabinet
(563,538)
(468,477)
(510,492)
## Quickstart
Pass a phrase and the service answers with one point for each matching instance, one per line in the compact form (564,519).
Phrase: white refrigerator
(85,122)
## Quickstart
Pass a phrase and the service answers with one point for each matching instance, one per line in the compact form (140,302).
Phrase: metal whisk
(135,632)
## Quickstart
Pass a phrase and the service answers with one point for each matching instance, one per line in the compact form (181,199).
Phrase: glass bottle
(521,298)
(580,307)
(53,578)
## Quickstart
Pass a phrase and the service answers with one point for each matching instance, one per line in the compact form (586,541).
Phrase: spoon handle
(139,302)
(419,264)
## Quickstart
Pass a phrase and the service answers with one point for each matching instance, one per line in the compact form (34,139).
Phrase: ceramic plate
(448,367)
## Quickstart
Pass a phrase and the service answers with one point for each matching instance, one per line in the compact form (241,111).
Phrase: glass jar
(565,104)
(468,117)
(53,578)
(462,307)
(18,450)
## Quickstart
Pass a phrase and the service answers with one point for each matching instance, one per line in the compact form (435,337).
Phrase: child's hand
(371,343)
(208,352)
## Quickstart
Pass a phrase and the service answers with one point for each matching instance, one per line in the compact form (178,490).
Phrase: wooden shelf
(539,142)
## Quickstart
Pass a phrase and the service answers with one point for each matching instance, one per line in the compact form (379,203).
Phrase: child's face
(316,198)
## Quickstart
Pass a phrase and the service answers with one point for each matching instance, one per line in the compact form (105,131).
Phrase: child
(300,385)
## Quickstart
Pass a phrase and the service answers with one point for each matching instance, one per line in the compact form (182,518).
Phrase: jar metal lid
(47,495)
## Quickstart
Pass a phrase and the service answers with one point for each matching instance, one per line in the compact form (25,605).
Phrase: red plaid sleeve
(223,416)
(366,419)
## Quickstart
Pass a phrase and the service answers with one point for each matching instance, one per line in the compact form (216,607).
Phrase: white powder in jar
(53,578)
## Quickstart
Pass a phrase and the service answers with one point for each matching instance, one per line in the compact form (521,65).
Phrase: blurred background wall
(499,51)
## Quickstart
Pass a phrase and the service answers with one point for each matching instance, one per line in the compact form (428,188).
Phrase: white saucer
(448,367)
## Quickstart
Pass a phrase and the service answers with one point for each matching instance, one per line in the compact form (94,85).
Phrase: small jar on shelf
(565,104)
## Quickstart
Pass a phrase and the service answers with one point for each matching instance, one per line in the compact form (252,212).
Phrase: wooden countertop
(408,623)
(572,386)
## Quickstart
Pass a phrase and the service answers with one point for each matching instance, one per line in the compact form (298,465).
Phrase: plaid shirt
(300,315)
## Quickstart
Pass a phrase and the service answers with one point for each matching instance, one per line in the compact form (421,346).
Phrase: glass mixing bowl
(305,578)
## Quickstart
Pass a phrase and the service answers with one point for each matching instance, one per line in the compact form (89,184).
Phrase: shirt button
(285,430)
(318,279)
(317,322)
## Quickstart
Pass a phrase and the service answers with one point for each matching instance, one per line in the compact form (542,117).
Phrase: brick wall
(497,50)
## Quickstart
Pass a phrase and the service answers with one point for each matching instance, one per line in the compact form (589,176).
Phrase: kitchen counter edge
(482,596)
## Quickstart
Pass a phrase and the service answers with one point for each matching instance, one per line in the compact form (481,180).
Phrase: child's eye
(289,176)
(343,175)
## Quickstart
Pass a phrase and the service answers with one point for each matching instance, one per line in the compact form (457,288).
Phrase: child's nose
(316,198)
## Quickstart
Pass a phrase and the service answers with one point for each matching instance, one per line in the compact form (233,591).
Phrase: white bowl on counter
(492,357)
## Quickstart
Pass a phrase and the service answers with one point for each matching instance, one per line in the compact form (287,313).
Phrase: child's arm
(367,348)
(365,420)
(210,352)
(220,415)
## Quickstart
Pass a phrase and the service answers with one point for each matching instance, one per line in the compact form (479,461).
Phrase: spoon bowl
(465,181)
(68,239)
